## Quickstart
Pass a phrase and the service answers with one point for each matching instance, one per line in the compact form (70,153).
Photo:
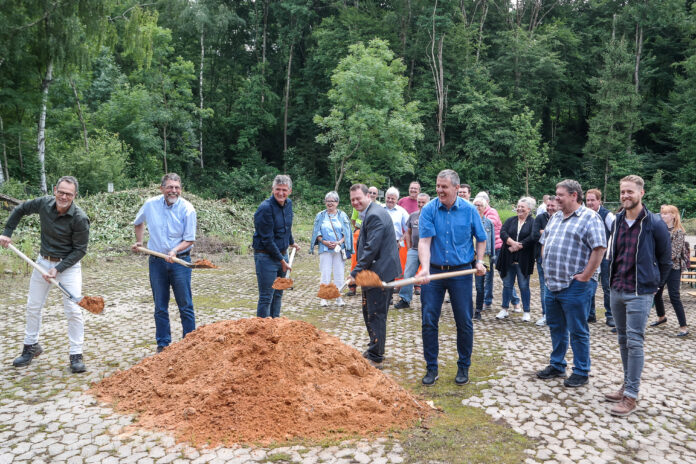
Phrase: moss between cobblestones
(279,457)
(464,434)
(692,425)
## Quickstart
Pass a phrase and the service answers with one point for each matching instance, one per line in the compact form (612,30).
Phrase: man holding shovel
(171,222)
(447,226)
(272,237)
(377,252)
(64,237)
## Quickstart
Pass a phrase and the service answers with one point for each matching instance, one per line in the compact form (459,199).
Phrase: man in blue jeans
(573,244)
(171,222)
(272,237)
(640,260)
(412,262)
(593,200)
(446,226)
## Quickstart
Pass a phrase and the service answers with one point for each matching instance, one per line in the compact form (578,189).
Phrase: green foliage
(530,153)
(370,128)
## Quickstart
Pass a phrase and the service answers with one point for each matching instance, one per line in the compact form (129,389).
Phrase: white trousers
(71,278)
(329,262)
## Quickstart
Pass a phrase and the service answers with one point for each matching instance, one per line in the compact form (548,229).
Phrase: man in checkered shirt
(574,242)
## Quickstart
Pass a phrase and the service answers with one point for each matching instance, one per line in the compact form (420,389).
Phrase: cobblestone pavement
(45,416)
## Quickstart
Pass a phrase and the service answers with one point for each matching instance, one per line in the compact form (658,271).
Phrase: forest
(513,95)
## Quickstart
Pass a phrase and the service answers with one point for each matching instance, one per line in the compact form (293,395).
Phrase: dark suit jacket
(377,249)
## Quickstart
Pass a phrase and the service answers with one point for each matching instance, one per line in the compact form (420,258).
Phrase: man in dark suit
(376,251)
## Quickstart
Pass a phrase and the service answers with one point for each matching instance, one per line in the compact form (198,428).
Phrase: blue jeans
(410,269)
(488,284)
(432,296)
(631,313)
(515,271)
(566,313)
(162,276)
(591,301)
(267,269)
(542,285)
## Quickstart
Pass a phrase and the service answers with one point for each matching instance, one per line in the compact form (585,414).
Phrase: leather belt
(458,267)
(52,259)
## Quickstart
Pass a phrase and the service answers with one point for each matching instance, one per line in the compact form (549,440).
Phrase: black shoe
(430,377)
(29,352)
(549,373)
(462,377)
(575,380)
(592,319)
(658,322)
(160,348)
(351,292)
(417,291)
(610,322)
(613,330)
(402,304)
(76,364)
(477,316)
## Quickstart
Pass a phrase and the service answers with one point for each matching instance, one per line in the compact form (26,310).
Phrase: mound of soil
(260,380)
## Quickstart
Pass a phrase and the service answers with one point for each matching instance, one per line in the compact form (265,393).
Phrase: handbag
(342,250)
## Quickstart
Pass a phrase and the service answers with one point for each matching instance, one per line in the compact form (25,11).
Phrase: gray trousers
(631,313)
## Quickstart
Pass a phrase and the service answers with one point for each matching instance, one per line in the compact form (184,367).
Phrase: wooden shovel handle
(419,280)
(292,256)
(43,271)
(163,256)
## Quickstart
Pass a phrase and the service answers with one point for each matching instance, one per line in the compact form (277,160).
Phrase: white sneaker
(324,302)
(502,314)
(526,317)
(517,308)
(340,302)
(541,321)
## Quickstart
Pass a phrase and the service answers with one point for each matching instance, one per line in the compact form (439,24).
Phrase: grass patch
(463,434)
(279,457)
(692,425)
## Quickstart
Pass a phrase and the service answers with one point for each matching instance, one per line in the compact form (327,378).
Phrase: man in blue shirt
(272,237)
(447,225)
(171,222)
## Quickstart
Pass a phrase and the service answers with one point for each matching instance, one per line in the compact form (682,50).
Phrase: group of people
(634,254)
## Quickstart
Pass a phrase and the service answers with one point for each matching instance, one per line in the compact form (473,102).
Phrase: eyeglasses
(60,193)
(330,201)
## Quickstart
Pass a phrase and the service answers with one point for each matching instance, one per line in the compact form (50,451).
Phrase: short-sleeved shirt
(399,218)
(568,244)
(168,225)
(409,204)
(452,231)
(412,225)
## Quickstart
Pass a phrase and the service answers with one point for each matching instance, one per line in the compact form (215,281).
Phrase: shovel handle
(163,256)
(43,272)
(292,256)
(419,280)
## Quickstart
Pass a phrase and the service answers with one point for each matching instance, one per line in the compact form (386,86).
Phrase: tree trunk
(200,92)
(639,52)
(41,138)
(79,115)
(263,48)
(287,98)
(3,174)
(164,139)
(484,13)
(19,149)
(437,68)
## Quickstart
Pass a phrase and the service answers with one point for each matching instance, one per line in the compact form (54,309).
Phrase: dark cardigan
(525,257)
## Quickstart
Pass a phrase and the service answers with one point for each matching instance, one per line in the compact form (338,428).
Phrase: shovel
(284,283)
(200,264)
(371,279)
(92,304)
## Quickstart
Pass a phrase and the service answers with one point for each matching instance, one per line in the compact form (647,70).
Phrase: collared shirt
(273,227)
(568,244)
(623,277)
(399,218)
(451,231)
(168,225)
(63,236)
(409,204)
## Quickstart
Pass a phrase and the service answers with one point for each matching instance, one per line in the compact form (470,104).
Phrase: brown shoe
(624,408)
(616,396)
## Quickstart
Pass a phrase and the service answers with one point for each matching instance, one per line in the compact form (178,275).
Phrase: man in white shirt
(593,200)
(399,217)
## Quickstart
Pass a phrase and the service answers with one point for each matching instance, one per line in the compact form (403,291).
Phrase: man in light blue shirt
(171,222)
(447,227)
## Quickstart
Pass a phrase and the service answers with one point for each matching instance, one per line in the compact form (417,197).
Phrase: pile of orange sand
(260,380)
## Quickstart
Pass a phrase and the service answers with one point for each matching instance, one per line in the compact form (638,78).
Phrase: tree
(527,149)
(370,128)
(612,126)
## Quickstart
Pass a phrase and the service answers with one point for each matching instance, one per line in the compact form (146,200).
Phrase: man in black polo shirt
(64,237)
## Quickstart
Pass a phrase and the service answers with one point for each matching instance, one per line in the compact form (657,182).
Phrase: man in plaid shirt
(574,241)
